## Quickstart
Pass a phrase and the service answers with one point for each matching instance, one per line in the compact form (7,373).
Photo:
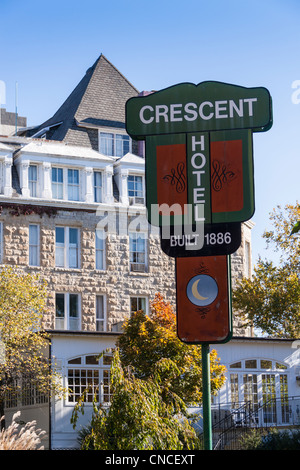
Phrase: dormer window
(57,183)
(135,189)
(97,186)
(114,145)
(32,180)
(73,185)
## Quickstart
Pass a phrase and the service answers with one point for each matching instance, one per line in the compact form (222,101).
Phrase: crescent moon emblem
(208,287)
(195,291)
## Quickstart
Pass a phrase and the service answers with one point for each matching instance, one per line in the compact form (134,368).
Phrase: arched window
(89,376)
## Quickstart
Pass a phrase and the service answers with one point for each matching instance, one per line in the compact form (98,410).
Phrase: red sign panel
(171,177)
(227,176)
(203,299)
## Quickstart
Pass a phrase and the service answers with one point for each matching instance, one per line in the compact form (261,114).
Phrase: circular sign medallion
(202,290)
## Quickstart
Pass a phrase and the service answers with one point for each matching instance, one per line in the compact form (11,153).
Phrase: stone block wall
(116,282)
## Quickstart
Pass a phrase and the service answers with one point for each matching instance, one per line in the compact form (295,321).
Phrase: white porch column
(124,187)
(47,190)
(88,185)
(23,175)
(108,186)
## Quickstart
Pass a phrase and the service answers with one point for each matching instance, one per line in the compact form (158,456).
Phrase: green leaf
(296,228)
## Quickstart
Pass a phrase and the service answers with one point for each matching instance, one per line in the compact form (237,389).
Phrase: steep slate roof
(98,100)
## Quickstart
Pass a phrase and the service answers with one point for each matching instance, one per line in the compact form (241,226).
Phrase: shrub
(274,439)
(26,438)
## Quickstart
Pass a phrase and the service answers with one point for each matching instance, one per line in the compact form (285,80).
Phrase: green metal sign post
(199,170)
(206,401)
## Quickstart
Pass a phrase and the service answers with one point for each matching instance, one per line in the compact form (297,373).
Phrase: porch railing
(233,420)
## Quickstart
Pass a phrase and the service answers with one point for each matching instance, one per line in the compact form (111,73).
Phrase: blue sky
(46,47)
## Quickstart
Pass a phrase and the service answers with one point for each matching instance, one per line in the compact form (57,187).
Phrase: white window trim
(103,252)
(79,183)
(136,199)
(66,247)
(258,371)
(66,184)
(94,186)
(248,260)
(131,264)
(38,246)
(104,321)
(101,368)
(67,311)
(1,242)
(115,132)
(57,167)
(38,179)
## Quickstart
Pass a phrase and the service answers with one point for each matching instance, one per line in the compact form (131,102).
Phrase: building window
(67,247)
(98,186)
(1,242)
(247,259)
(100,249)
(265,384)
(89,376)
(34,245)
(138,303)
(67,312)
(73,185)
(137,252)
(57,183)
(135,189)
(32,180)
(30,394)
(114,145)
(100,313)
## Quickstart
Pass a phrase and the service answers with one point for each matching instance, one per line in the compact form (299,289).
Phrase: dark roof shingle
(98,100)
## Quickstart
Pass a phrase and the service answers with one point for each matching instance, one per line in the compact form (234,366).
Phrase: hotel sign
(203,300)
(199,164)
(209,106)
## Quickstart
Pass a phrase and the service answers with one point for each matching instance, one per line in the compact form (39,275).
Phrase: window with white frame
(100,313)
(135,189)
(73,185)
(138,303)
(98,186)
(100,249)
(137,252)
(67,311)
(256,381)
(1,242)
(32,180)
(89,377)
(57,183)
(247,259)
(34,245)
(67,247)
(114,144)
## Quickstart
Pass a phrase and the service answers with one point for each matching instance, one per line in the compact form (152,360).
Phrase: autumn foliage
(150,340)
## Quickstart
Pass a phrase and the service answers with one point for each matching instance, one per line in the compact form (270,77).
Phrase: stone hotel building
(72,210)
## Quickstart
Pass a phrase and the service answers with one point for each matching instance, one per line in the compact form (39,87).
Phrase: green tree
(23,343)
(137,418)
(270,300)
(154,378)
(148,339)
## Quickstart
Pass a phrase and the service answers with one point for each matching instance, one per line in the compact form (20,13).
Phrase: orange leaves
(163,313)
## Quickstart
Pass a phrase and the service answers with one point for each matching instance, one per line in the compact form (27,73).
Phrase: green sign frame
(198,140)
(208,106)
